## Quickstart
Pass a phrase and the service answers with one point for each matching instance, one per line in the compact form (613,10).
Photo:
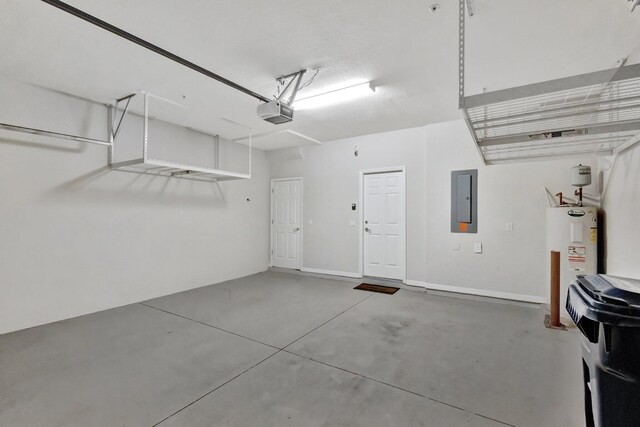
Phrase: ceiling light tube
(335,96)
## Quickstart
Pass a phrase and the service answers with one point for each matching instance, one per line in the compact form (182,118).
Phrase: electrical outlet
(477,247)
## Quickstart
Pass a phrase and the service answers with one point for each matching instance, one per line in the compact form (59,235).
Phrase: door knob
(367,229)
(296,229)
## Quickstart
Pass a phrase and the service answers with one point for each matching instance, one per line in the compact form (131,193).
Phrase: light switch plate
(455,246)
(477,247)
(352,223)
(508,226)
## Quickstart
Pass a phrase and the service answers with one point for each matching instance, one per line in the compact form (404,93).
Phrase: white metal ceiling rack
(145,164)
(594,113)
(177,170)
(150,166)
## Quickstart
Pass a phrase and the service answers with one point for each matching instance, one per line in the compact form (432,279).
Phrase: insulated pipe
(554,320)
(160,51)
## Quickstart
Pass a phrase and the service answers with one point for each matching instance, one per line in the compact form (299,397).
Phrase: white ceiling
(275,140)
(409,53)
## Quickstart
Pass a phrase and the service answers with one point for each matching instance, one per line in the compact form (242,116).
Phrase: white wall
(77,238)
(622,209)
(512,262)
(331,174)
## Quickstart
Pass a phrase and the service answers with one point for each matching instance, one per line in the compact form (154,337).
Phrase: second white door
(286,223)
(384,225)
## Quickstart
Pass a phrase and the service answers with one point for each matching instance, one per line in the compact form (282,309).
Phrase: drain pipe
(553,321)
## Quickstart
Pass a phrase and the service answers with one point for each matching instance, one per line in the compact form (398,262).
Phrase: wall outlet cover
(477,247)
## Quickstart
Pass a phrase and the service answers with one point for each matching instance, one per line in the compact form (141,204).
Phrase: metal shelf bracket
(124,112)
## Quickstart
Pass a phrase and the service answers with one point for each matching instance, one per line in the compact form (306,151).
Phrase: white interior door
(384,225)
(286,223)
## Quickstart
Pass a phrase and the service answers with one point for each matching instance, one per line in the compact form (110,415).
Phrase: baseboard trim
(443,288)
(479,292)
(330,272)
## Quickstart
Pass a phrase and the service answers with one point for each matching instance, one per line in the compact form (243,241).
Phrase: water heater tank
(581,176)
(573,231)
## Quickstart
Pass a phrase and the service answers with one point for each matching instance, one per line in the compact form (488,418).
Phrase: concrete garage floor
(278,349)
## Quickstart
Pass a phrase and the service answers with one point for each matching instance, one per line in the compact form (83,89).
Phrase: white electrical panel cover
(572,231)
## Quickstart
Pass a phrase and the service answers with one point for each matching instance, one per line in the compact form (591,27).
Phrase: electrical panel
(464,201)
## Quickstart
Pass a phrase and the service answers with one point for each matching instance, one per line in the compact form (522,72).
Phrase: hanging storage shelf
(150,166)
(594,113)
(589,113)
(177,170)
(145,164)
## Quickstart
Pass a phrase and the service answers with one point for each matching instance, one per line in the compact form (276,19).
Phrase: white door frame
(301,179)
(363,172)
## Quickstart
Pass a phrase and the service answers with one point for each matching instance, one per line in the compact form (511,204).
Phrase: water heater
(572,231)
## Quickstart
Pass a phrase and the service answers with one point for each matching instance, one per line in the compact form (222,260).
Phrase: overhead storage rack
(146,164)
(594,113)
(589,113)
(151,166)
(177,170)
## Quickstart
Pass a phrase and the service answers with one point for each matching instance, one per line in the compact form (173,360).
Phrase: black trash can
(606,309)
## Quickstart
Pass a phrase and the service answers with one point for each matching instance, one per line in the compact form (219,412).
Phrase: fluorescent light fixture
(335,96)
